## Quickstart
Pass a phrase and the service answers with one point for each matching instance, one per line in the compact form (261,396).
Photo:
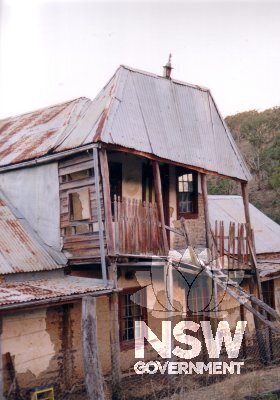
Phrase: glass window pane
(131,311)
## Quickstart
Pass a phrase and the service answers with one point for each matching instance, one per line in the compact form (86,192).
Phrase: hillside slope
(257,135)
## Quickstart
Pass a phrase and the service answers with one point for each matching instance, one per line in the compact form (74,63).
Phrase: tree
(255,130)
(275,179)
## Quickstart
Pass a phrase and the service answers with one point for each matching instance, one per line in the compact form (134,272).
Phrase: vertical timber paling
(92,365)
(99,216)
(159,201)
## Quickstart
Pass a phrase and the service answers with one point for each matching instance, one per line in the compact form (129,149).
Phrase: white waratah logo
(161,301)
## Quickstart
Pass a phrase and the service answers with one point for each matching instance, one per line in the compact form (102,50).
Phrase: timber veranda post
(262,345)
(159,201)
(92,365)
(169,307)
(206,211)
(209,240)
(112,273)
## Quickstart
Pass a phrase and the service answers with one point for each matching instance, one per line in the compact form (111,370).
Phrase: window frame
(129,344)
(194,213)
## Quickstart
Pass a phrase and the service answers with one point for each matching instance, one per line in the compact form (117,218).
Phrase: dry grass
(236,387)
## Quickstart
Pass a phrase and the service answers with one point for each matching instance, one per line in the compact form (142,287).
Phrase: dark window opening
(148,191)
(187,196)
(115,173)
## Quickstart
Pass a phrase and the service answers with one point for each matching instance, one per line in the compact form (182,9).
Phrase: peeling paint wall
(23,336)
(45,347)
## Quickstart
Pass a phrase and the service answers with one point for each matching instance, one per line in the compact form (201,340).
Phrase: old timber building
(98,196)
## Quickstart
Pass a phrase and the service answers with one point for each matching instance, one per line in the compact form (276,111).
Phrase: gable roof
(21,250)
(136,110)
(231,209)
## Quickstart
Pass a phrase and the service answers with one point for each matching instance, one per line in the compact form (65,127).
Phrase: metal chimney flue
(168,68)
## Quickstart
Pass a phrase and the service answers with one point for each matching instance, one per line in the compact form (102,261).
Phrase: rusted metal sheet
(36,134)
(137,110)
(28,291)
(230,209)
(269,269)
(19,249)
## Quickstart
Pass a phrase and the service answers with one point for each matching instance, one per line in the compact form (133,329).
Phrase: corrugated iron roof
(30,291)
(173,120)
(36,134)
(231,209)
(20,251)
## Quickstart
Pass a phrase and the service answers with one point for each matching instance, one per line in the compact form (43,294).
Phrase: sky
(53,51)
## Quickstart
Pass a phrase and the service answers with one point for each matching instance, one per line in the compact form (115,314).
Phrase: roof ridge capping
(176,81)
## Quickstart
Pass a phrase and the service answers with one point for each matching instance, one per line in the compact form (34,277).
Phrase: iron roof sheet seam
(168,118)
(60,139)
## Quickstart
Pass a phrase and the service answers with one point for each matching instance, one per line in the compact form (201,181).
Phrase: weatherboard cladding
(19,251)
(136,110)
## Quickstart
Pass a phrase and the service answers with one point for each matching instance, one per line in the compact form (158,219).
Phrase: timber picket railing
(232,246)
(137,229)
